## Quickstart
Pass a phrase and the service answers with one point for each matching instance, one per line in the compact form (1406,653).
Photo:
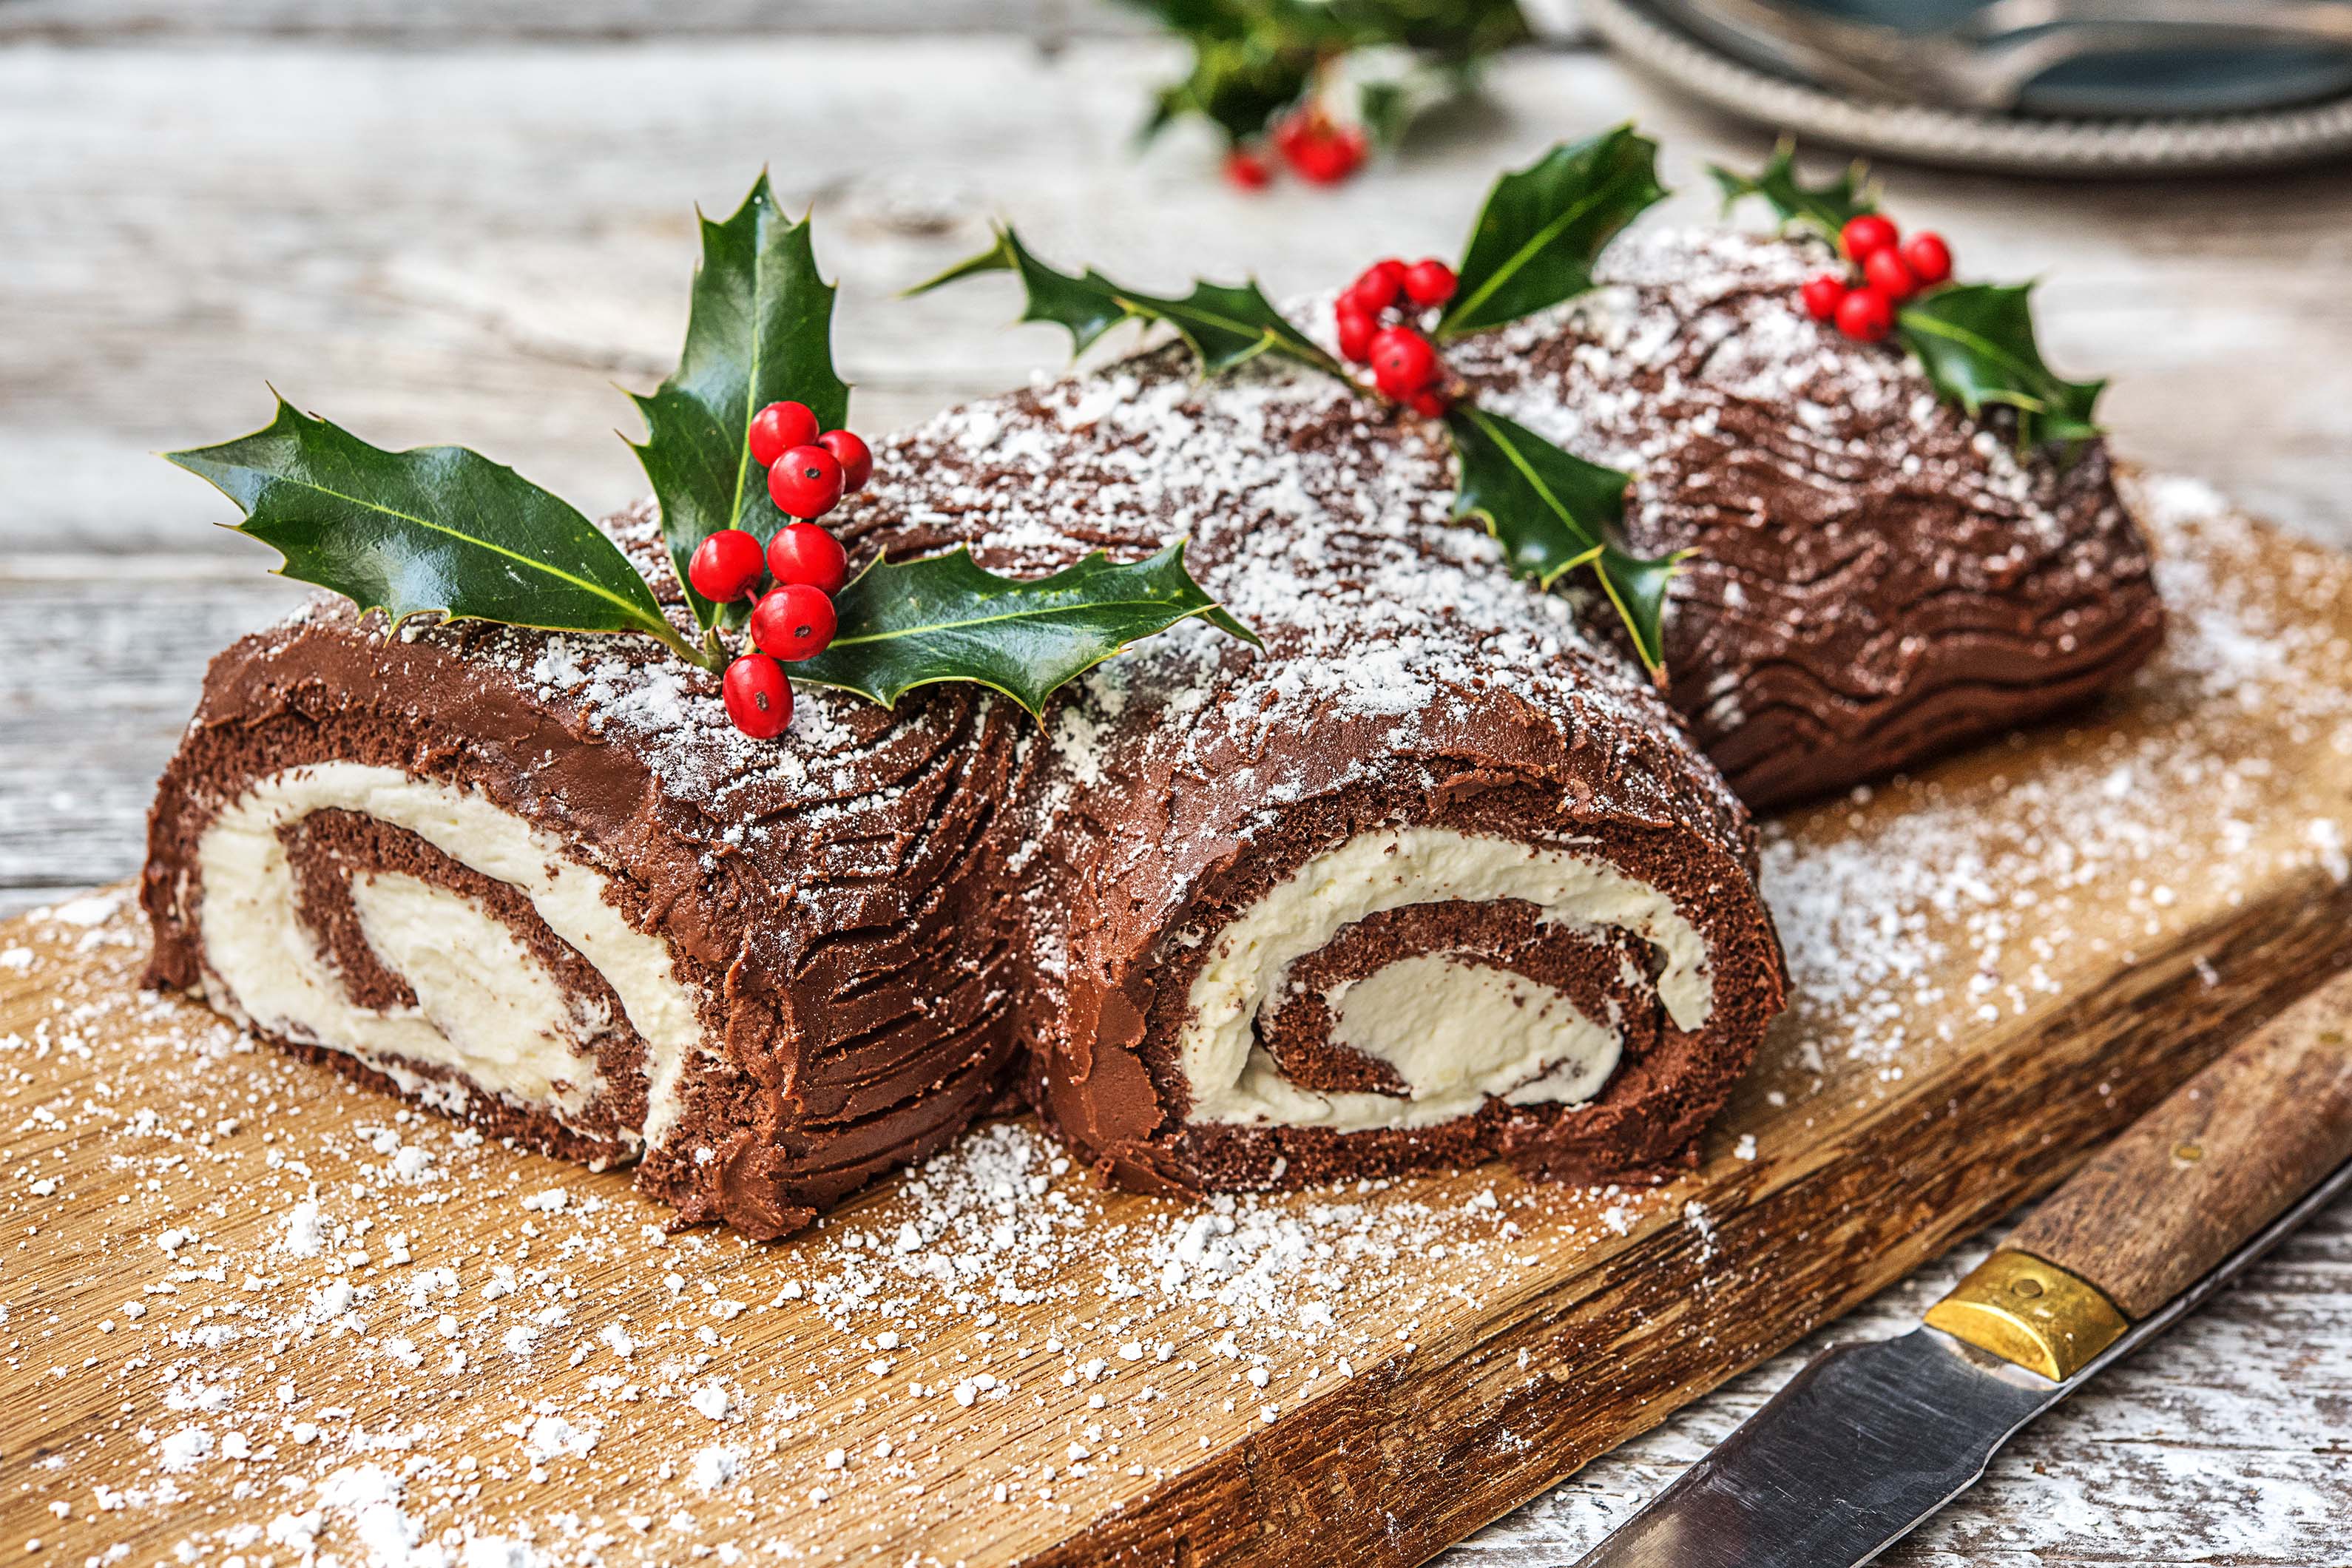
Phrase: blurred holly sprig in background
(1317,84)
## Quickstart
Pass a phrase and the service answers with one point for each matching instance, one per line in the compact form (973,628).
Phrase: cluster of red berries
(1319,148)
(1893,269)
(1375,316)
(808,474)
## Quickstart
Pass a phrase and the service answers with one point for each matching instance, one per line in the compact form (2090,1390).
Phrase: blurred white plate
(1647,36)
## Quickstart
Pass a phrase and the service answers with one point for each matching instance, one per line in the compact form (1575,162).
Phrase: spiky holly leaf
(1976,343)
(760,331)
(1223,324)
(432,530)
(1825,208)
(942,617)
(1543,226)
(1553,513)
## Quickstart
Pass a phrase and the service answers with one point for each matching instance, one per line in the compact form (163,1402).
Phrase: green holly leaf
(942,617)
(1252,60)
(1825,208)
(1976,343)
(434,530)
(760,330)
(1223,324)
(1543,226)
(1554,513)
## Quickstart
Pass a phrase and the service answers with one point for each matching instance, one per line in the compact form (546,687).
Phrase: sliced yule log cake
(451,832)
(1435,875)
(1427,881)
(536,879)
(1365,856)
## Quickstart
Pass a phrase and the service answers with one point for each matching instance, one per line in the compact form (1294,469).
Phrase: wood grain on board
(1997,966)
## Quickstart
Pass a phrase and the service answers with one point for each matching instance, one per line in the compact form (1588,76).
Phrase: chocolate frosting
(1876,577)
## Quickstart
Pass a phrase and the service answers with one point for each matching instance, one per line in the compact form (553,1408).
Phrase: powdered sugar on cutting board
(282,1319)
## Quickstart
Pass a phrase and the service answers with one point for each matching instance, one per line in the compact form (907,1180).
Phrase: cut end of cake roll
(538,882)
(1485,985)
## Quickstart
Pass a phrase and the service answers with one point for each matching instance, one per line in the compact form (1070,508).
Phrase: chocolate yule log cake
(536,881)
(1875,577)
(1433,875)
(1270,769)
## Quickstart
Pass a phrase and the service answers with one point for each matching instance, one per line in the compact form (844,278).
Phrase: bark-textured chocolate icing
(1876,577)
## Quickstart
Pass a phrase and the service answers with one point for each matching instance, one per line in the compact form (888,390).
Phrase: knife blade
(1870,1439)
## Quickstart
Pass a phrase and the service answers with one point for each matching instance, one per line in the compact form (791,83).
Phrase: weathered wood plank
(100,660)
(468,245)
(435,23)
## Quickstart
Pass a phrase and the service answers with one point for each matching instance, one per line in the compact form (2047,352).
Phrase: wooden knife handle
(2186,1185)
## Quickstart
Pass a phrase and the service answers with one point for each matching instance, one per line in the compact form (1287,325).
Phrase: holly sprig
(1534,246)
(444,531)
(1378,63)
(1976,342)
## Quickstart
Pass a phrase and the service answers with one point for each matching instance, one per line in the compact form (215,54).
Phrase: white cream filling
(1233,1079)
(1456,1032)
(496,1015)
(264,964)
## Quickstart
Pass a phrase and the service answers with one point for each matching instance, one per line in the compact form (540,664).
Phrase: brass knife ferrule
(2031,1314)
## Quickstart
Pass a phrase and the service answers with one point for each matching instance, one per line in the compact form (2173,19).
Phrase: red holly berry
(1247,171)
(1377,287)
(759,698)
(806,481)
(1429,282)
(1403,363)
(857,459)
(1429,403)
(803,553)
(1867,233)
(778,428)
(796,621)
(1867,315)
(1343,153)
(1885,271)
(1822,295)
(725,565)
(1355,329)
(1929,258)
(1318,151)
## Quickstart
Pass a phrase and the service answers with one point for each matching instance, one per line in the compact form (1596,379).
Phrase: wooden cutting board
(257,1312)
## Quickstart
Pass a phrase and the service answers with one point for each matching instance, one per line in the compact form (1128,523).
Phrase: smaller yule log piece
(1875,578)
(539,883)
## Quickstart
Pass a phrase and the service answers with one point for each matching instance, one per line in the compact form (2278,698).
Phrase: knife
(1870,1438)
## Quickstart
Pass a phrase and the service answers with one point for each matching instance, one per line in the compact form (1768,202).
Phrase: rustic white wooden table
(460,219)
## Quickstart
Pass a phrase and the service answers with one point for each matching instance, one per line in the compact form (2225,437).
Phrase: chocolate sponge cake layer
(1875,578)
